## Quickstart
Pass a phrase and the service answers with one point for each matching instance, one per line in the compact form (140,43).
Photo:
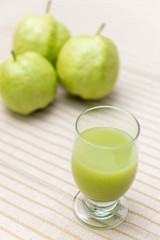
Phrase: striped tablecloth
(36,184)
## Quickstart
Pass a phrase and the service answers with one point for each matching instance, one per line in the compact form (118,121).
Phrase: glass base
(100,215)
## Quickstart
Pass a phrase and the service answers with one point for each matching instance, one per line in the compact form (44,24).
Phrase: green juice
(104,163)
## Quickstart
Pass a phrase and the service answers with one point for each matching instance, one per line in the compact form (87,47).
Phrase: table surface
(36,184)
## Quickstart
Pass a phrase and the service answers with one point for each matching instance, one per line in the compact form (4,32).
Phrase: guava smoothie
(104,163)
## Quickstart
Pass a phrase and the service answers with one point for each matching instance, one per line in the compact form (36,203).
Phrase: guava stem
(101,28)
(48,6)
(14,55)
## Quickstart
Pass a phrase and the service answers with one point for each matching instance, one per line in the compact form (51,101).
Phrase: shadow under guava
(110,99)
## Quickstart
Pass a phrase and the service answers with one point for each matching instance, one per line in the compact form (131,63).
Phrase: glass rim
(108,107)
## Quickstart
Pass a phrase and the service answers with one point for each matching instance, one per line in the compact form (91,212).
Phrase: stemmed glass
(104,165)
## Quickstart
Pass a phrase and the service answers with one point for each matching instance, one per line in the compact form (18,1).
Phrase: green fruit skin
(62,34)
(35,33)
(88,66)
(28,83)
(40,34)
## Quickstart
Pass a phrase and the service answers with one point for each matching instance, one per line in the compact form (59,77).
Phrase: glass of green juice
(104,165)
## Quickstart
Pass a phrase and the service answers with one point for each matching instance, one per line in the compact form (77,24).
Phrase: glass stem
(101,210)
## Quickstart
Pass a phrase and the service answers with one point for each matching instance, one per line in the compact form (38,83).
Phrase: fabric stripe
(11,233)
(48,222)
(143,204)
(35,178)
(51,209)
(26,226)
(40,147)
(145,194)
(142,216)
(51,163)
(143,229)
(126,234)
(37,126)
(148,174)
(40,218)
(150,165)
(51,197)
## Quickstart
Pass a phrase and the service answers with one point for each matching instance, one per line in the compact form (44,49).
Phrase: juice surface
(104,166)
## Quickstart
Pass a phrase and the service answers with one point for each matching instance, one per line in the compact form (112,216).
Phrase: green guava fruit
(62,34)
(88,66)
(27,83)
(35,33)
(41,34)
